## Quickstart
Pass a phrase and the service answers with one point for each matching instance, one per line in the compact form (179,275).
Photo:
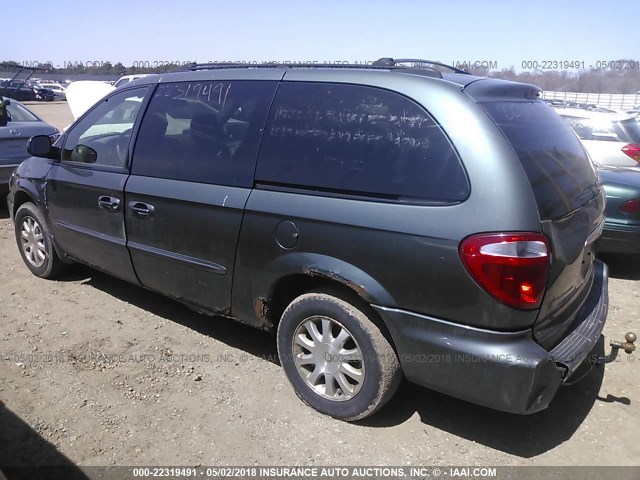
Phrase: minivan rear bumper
(506,371)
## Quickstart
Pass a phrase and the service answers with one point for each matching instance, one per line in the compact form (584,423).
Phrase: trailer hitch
(627,346)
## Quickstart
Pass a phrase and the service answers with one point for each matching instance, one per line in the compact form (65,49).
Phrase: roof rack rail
(431,72)
(214,66)
(393,62)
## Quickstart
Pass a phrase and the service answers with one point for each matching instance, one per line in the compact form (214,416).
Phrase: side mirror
(84,154)
(39,146)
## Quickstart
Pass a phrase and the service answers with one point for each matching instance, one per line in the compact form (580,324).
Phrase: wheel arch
(20,197)
(303,273)
(28,193)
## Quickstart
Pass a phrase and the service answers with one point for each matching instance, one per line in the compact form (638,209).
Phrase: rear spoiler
(495,90)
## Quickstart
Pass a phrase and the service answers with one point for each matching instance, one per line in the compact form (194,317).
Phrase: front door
(85,191)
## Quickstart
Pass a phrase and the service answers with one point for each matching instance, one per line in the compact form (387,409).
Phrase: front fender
(30,178)
(23,191)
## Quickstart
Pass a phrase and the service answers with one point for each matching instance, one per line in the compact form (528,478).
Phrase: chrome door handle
(108,203)
(141,210)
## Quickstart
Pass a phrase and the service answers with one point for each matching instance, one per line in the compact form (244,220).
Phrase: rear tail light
(632,206)
(633,151)
(512,267)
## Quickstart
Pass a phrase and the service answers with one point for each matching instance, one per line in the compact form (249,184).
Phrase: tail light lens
(632,206)
(512,267)
(633,151)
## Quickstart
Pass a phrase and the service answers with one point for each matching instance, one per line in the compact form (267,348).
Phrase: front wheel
(337,359)
(34,242)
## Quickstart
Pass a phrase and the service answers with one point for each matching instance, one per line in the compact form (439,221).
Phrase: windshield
(561,175)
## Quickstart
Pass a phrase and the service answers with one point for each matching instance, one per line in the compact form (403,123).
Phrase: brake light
(511,267)
(632,206)
(633,151)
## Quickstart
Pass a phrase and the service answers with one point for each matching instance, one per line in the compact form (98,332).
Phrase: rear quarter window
(560,173)
(358,140)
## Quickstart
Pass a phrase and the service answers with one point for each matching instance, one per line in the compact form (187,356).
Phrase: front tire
(337,360)
(34,242)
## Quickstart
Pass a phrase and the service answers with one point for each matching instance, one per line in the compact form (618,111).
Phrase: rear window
(561,175)
(357,140)
(601,129)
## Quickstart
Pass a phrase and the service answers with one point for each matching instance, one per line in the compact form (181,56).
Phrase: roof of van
(479,88)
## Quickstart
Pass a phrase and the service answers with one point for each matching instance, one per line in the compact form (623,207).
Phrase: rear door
(570,203)
(192,174)
(85,192)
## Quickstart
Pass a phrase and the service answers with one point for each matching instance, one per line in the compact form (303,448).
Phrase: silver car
(21,125)
(612,139)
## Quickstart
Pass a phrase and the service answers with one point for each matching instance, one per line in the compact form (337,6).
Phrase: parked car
(26,91)
(18,91)
(43,93)
(554,103)
(21,125)
(611,139)
(83,94)
(382,221)
(59,92)
(126,79)
(622,226)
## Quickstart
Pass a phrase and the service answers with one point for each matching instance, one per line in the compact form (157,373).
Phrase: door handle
(108,203)
(141,210)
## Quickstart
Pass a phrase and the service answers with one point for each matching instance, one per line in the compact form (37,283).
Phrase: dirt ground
(94,371)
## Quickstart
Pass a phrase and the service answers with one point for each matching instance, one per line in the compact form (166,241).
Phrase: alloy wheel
(33,244)
(328,358)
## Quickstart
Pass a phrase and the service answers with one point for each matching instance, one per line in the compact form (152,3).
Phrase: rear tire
(337,360)
(34,242)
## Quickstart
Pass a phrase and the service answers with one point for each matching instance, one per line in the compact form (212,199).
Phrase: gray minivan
(383,221)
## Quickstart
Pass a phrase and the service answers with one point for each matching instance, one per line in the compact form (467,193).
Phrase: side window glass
(358,140)
(206,132)
(102,137)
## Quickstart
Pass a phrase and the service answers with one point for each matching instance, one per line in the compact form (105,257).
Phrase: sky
(506,33)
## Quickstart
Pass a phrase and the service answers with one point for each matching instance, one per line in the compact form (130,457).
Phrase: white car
(611,139)
(58,90)
(126,79)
